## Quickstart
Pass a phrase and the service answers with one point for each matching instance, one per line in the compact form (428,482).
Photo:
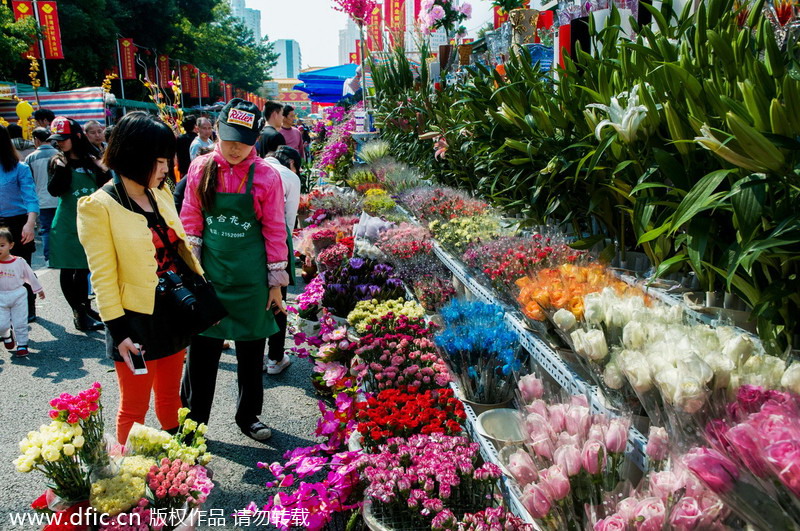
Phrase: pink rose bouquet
(174,483)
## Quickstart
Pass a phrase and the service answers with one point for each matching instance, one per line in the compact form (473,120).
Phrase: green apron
(235,261)
(66,251)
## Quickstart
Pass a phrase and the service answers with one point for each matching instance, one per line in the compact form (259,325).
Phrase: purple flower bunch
(317,501)
(411,481)
(359,279)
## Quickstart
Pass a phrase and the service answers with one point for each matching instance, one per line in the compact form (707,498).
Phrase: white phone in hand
(139,366)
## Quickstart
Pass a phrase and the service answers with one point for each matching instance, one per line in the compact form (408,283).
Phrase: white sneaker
(277,367)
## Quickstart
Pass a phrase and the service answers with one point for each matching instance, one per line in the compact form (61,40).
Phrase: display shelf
(545,356)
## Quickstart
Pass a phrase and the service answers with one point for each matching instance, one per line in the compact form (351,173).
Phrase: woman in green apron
(74,173)
(233,214)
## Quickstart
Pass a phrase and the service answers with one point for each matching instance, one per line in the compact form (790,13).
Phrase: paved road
(65,360)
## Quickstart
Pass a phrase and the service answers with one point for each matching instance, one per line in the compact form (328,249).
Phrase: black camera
(172,286)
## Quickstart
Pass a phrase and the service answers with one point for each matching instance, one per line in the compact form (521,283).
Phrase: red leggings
(164,378)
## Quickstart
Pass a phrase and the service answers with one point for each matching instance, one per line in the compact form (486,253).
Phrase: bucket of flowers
(89,477)
(482,352)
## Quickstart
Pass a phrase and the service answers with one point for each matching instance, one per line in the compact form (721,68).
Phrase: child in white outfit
(14,274)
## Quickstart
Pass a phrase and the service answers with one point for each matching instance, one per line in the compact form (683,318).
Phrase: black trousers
(200,378)
(75,286)
(277,341)
(15,224)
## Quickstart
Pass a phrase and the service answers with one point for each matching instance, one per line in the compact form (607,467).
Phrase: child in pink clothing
(14,274)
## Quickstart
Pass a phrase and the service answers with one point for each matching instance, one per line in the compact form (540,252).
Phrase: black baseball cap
(240,121)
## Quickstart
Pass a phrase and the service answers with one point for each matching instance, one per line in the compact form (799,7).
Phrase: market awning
(325,85)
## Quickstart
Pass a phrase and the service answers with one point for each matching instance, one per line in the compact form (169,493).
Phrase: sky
(315,25)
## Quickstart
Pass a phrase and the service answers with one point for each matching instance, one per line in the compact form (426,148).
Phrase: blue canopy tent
(325,85)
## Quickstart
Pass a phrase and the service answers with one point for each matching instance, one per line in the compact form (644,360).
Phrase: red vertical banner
(417,8)
(22,10)
(48,19)
(151,74)
(358,51)
(204,79)
(353,58)
(194,89)
(228,92)
(395,19)
(164,71)
(564,43)
(127,58)
(222,90)
(185,73)
(375,31)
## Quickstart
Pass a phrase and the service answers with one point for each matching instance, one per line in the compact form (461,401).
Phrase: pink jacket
(267,199)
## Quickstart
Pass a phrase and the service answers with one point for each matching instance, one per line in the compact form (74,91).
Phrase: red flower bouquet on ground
(404,412)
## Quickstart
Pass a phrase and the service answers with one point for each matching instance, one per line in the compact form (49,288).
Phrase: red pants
(164,378)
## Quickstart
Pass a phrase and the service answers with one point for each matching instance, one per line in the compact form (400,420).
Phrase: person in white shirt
(352,84)
(203,140)
(288,163)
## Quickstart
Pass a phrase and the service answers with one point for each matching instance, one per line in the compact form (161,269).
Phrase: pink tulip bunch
(752,460)
(574,456)
(414,480)
(174,483)
(672,499)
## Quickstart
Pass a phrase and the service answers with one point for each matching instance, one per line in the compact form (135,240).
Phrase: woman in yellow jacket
(128,228)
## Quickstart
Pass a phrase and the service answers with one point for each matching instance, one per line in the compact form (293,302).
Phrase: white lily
(627,120)
(718,147)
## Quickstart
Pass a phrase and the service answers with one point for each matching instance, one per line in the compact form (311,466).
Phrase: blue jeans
(45,222)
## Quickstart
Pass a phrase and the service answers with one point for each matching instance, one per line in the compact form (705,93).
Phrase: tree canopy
(201,32)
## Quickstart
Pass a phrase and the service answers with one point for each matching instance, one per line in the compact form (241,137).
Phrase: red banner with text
(48,19)
(127,58)
(228,92)
(358,51)
(375,31)
(194,79)
(164,71)
(204,80)
(22,10)
(395,17)
(186,79)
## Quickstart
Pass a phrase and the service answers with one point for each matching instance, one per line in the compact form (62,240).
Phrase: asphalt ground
(63,359)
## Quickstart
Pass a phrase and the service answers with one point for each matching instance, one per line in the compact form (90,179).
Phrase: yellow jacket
(121,254)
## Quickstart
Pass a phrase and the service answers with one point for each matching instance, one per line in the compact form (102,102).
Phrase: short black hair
(44,114)
(107,132)
(286,153)
(189,122)
(14,131)
(41,134)
(6,234)
(138,140)
(271,107)
(287,109)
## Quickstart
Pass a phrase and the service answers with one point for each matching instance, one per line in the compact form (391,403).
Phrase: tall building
(289,59)
(250,17)
(347,41)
